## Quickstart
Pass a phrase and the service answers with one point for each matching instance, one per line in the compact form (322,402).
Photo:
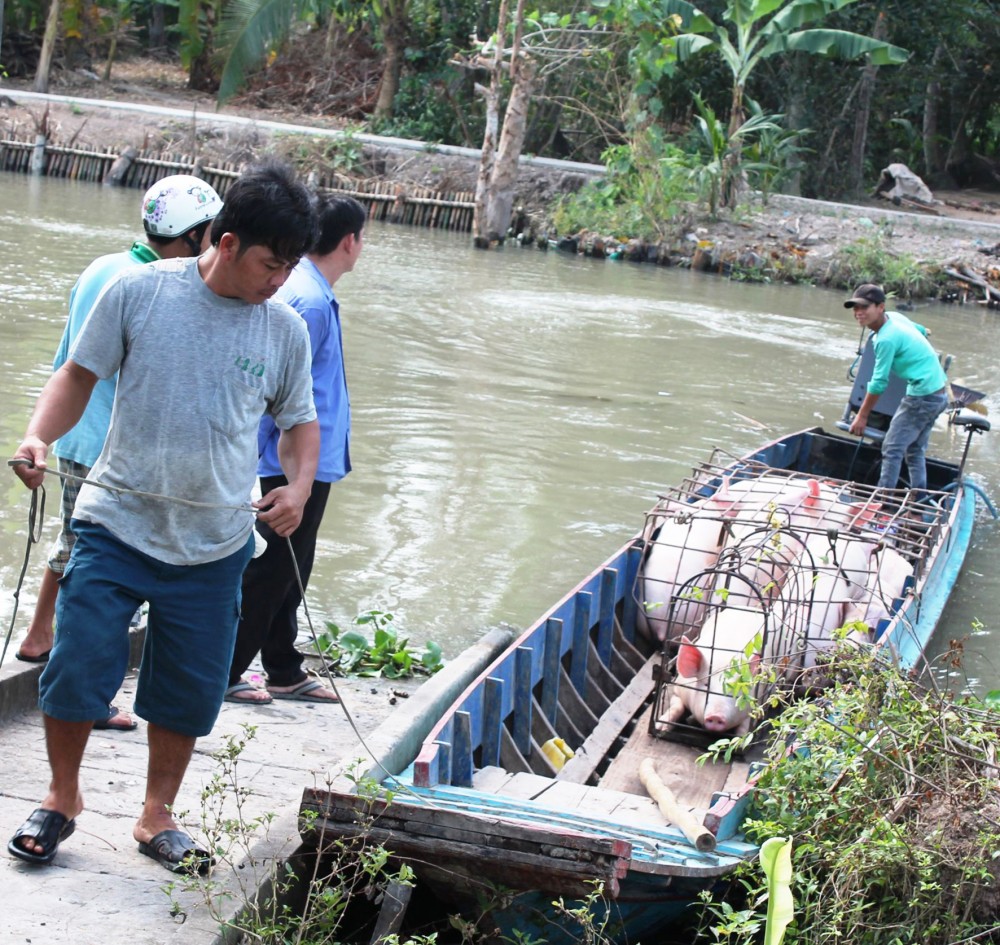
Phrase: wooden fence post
(116,176)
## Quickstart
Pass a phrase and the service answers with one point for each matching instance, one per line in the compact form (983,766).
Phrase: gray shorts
(63,545)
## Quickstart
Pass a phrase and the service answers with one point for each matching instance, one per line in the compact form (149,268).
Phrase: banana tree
(753,30)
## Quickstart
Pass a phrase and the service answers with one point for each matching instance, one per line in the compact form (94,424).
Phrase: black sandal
(46,827)
(176,851)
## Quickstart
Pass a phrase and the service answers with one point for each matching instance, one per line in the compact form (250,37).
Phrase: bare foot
(148,827)
(35,647)
(118,720)
(248,693)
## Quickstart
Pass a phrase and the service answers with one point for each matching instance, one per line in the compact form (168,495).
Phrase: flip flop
(104,725)
(303,692)
(232,694)
(41,658)
(47,827)
(176,851)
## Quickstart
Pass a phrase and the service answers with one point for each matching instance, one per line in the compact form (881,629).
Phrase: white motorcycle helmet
(175,204)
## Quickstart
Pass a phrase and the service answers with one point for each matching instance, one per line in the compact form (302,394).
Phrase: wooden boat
(530,781)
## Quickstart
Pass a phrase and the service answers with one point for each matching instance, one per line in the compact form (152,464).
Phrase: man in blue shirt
(177,213)
(901,346)
(271,595)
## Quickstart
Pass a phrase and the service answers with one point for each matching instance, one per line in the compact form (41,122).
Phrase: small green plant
(590,914)
(872,259)
(718,163)
(774,153)
(386,654)
(338,872)
(639,196)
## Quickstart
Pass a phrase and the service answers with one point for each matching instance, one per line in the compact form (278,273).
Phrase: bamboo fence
(384,200)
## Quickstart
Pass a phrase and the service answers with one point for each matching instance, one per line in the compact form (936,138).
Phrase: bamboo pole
(697,834)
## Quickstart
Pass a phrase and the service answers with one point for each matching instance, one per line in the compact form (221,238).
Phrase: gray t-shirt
(196,373)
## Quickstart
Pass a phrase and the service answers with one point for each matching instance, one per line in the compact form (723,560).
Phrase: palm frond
(250,29)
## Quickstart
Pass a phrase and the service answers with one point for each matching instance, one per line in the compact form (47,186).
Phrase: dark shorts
(193,614)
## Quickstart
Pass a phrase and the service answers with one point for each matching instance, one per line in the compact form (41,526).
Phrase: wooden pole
(697,834)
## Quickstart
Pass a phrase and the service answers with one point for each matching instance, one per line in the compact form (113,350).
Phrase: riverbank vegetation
(888,788)
(699,113)
(911,85)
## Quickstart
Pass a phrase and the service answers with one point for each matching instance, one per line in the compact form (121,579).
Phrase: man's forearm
(867,405)
(61,403)
(298,453)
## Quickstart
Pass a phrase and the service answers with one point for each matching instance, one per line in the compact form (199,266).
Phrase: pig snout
(720,721)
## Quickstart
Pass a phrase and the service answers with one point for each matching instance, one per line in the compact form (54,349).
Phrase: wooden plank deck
(692,784)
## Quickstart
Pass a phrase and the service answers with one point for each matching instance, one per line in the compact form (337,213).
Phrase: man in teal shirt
(901,346)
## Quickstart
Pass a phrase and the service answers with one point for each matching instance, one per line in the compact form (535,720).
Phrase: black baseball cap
(866,294)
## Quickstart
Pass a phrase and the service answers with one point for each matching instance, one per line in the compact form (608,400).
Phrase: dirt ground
(961,230)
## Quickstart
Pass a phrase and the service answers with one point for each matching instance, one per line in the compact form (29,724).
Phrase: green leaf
(249,30)
(837,43)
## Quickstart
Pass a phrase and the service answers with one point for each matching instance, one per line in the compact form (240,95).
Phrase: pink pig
(700,687)
(885,583)
(687,544)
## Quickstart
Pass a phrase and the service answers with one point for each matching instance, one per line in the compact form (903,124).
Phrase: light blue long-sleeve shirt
(309,293)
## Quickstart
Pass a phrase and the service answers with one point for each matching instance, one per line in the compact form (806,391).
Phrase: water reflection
(516,412)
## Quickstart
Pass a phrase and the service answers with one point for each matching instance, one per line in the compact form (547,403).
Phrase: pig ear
(863,514)
(813,493)
(724,500)
(688,659)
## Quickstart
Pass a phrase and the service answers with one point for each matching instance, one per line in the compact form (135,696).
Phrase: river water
(515,412)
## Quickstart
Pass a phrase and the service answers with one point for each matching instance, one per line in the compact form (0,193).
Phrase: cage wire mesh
(750,573)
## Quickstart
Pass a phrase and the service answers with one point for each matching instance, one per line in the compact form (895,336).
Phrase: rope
(36,514)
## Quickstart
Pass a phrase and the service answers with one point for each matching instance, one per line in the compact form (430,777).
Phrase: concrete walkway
(101,890)
(84,104)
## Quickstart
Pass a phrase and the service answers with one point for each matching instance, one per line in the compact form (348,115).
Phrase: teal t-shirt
(902,348)
(84,442)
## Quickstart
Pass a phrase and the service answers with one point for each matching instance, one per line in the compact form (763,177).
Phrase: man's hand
(31,473)
(283,508)
(858,425)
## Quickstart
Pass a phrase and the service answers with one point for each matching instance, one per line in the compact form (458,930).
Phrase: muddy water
(515,412)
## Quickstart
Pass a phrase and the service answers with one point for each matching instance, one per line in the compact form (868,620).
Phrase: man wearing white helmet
(177,213)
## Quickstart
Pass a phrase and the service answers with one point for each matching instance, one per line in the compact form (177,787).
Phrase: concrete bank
(100,889)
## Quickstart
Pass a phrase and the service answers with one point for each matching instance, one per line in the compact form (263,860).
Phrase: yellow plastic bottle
(557,751)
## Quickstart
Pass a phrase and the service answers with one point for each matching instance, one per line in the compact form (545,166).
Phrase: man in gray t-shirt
(202,351)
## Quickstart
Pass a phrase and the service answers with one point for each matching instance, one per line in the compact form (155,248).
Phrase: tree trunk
(859,143)
(48,48)
(733,179)
(933,153)
(203,76)
(158,29)
(395,31)
(480,213)
(795,120)
(500,201)
(491,97)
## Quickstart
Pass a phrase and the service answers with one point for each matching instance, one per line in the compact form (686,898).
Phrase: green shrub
(641,194)
(889,790)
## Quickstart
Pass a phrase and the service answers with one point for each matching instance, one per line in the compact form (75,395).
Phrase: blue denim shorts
(193,614)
